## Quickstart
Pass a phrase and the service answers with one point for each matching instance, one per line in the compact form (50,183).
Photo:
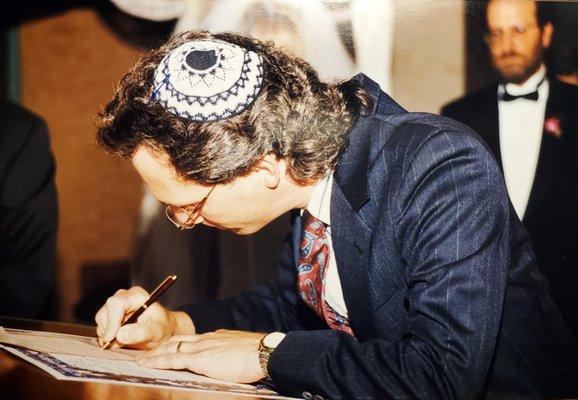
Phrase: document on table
(79,358)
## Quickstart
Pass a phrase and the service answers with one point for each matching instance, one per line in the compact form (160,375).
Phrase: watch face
(272,340)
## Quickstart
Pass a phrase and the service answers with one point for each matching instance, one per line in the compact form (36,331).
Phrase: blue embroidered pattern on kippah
(201,59)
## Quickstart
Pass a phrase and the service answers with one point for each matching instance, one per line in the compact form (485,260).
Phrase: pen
(160,289)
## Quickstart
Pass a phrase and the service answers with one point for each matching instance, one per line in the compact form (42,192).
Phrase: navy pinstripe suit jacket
(551,217)
(437,273)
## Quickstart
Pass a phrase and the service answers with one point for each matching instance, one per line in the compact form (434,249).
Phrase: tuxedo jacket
(28,215)
(438,276)
(551,216)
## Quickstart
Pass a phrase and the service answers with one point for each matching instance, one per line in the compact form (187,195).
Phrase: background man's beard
(519,76)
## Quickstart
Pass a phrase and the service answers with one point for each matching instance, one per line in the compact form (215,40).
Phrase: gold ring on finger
(179,346)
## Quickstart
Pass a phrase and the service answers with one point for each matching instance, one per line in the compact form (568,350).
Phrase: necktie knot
(313,225)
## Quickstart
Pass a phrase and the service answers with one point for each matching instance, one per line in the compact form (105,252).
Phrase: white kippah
(208,80)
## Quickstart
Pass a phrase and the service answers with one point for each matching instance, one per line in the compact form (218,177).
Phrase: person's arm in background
(28,214)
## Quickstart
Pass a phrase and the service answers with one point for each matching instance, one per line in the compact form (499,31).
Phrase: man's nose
(507,43)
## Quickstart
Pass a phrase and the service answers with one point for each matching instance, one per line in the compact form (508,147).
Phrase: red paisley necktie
(312,268)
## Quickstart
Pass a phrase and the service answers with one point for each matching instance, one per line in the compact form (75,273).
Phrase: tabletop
(21,380)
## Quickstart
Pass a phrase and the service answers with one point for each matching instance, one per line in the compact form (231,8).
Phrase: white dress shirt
(319,206)
(521,123)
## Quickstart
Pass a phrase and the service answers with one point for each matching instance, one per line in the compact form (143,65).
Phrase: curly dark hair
(296,117)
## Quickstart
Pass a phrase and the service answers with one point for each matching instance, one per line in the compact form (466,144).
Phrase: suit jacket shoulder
(563,98)
(14,118)
(26,163)
(470,103)
(479,111)
(566,89)
(17,127)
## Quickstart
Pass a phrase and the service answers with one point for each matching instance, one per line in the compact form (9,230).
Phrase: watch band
(267,346)
(264,355)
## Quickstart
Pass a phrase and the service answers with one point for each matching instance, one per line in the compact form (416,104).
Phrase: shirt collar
(320,202)
(529,86)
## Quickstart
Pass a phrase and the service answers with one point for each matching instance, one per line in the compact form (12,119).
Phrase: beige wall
(429,53)
(69,66)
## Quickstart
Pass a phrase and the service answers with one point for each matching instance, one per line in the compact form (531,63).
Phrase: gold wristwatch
(267,345)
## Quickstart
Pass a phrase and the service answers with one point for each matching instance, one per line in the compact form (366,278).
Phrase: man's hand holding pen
(155,325)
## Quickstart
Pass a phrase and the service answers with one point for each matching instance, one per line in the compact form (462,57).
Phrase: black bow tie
(528,96)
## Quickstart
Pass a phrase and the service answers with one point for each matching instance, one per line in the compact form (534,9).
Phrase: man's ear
(547,33)
(270,169)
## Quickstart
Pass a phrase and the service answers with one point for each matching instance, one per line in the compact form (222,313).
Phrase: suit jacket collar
(351,233)
(353,162)
(352,168)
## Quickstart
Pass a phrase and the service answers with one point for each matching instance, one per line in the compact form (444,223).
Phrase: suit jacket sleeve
(452,233)
(274,306)
(28,216)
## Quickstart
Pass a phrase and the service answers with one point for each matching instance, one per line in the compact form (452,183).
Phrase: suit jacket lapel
(490,128)
(350,235)
(551,150)
(351,238)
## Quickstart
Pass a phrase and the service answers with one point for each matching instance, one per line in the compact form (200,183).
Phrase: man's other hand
(153,326)
(228,355)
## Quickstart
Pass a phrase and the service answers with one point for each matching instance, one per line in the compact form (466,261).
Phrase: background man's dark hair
(545,13)
(296,117)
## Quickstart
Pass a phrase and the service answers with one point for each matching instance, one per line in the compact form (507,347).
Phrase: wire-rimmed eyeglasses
(183,217)
(495,36)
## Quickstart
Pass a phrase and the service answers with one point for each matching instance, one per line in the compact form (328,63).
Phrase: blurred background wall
(65,57)
(68,65)
(428,56)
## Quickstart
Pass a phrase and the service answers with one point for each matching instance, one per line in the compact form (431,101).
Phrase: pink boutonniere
(553,127)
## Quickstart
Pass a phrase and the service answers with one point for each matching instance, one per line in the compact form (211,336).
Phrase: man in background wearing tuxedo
(529,121)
